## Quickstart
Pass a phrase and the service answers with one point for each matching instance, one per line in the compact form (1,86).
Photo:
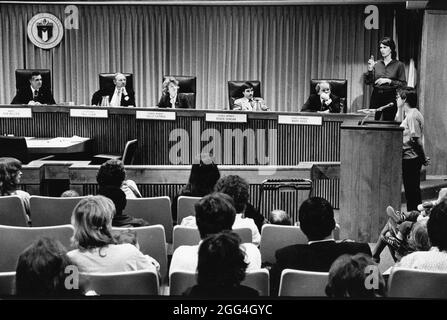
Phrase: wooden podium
(370,178)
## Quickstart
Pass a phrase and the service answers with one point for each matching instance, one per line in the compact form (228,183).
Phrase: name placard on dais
(15,113)
(88,113)
(225,117)
(303,120)
(155,115)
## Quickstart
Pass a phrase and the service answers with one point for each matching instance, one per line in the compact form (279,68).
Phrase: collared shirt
(413,125)
(394,70)
(116,99)
(324,240)
(255,104)
(172,100)
(35,92)
(432,260)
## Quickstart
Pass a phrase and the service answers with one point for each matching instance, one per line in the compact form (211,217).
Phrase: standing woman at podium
(386,76)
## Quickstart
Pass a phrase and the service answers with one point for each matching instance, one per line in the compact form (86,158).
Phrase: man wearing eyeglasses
(248,102)
(35,94)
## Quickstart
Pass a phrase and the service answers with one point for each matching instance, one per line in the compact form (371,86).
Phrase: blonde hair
(92,221)
(166,83)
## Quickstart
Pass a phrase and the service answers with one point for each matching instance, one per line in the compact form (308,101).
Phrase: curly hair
(9,170)
(237,188)
(165,85)
(437,225)
(221,261)
(111,173)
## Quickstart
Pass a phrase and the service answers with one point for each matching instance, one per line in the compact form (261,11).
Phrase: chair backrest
(298,283)
(13,240)
(339,87)
(23,76)
(156,210)
(106,81)
(274,237)
(185,207)
(235,90)
(152,241)
(7,283)
(413,283)
(129,152)
(52,211)
(188,236)
(256,279)
(187,85)
(14,147)
(141,282)
(12,212)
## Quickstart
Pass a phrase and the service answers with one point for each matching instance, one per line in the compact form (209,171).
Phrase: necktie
(36,93)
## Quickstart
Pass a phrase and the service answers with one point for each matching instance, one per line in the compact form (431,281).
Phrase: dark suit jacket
(25,95)
(313,104)
(317,256)
(181,102)
(128,100)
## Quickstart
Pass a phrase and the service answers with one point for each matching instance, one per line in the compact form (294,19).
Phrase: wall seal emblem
(45,30)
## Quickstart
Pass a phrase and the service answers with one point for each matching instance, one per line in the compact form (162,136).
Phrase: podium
(370,178)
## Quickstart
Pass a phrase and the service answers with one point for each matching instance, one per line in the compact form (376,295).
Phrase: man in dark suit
(317,221)
(323,100)
(118,96)
(34,94)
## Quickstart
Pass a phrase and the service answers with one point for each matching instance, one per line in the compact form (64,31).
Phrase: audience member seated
(35,93)
(202,179)
(170,97)
(96,249)
(112,173)
(69,194)
(220,269)
(436,258)
(280,217)
(118,96)
(214,213)
(316,217)
(323,100)
(126,236)
(40,271)
(248,102)
(10,175)
(348,278)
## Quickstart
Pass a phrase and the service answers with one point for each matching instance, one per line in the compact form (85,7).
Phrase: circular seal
(45,30)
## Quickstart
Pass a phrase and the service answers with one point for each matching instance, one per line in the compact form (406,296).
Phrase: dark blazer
(317,256)
(128,100)
(181,102)
(25,95)
(313,104)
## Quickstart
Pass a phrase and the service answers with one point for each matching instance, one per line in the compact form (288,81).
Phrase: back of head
(116,195)
(221,261)
(214,213)
(418,239)
(347,278)
(111,173)
(316,217)
(410,96)
(40,269)
(203,177)
(125,236)
(437,226)
(9,169)
(92,221)
(237,188)
(280,217)
(69,194)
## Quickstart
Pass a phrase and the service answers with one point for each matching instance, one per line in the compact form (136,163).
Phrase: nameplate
(88,113)
(155,115)
(225,117)
(15,113)
(304,120)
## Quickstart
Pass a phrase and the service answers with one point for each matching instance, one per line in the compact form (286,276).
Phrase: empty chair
(235,91)
(256,279)
(298,283)
(152,241)
(52,211)
(274,237)
(127,156)
(16,147)
(339,87)
(13,240)
(141,282)
(155,210)
(188,236)
(12,211)
(185,207)
(7,283)
(413,283)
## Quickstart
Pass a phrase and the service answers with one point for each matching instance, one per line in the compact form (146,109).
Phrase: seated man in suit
(247,102)
(323,100)
(317,221)
(214,213)
(34,94)
(170,97)
(119,96)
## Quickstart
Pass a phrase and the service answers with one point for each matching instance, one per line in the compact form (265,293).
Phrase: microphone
(389,105)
